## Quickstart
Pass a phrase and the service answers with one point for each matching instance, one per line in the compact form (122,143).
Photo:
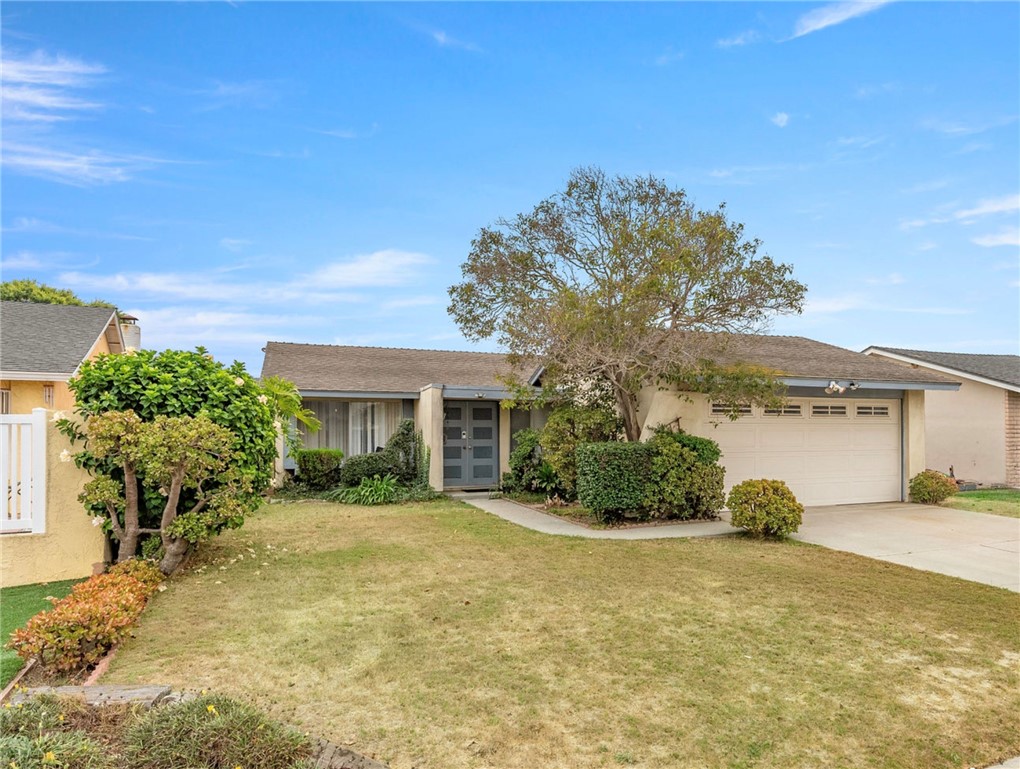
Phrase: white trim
(102,335)
(941,369)
(34,376)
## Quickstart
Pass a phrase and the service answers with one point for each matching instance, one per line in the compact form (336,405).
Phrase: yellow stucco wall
(71,544)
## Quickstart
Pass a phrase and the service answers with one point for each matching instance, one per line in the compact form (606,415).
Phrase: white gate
(23,472)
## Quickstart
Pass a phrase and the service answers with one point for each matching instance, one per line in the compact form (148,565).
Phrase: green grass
(17,606)
(437,636)
(995,501)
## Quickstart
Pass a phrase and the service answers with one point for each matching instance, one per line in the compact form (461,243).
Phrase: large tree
(624,282)
(28,290)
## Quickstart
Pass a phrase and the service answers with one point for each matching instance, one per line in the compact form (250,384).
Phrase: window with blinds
(725,409)
(828,410)
(789,410)
(5,401)
(872,411)
(354,427)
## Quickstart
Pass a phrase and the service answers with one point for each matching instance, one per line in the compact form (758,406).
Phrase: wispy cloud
(831,15)
(965,127)
(39,87)
(749,174)
(876,89)
(184,327)
(1007,204)
(860,303)
(892,279)
(45,260)
(79,168)
(337,281)
(860,142)
(29,224)
(22,260)
(669,56)
(255,94)
(234,245)
(744,38)
(1005,237)
(347,133)
(930,186)
(444,40)
(780,119)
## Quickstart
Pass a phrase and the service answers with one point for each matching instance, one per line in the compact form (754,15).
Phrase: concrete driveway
(974,546)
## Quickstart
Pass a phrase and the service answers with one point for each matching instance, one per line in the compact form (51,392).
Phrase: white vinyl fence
(23,472)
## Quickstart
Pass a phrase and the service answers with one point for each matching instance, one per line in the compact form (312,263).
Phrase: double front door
(470,444)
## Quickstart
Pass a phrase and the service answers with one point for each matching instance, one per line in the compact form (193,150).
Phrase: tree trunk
(174,554)
(128,546)
(627,404)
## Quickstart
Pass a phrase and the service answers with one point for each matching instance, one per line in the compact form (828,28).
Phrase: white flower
(263,399)
(238,381)
(57,416)
(65,456)
(98,520)
(163,491)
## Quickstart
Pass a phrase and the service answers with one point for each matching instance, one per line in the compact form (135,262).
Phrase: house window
(354,427)
(789,410)
(725,409)
(5,401)
(47,396)
(828,410)
(872,411)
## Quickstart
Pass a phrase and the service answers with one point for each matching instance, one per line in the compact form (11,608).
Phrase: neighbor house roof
(1002,369)
(51,339)
(338,368)
(797,357)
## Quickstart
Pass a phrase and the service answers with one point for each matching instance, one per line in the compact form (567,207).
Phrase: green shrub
(612,478)
(706,451)
(212,731)
(66,750)
(35,715)
(681,486)
(82,627)
(319,468)
(766,508)
(525,459)
(567,428)
(408,454)
(379,490)
(361,466)
(931,487)
(145,571)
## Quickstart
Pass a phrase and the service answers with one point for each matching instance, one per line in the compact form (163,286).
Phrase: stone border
(325,754)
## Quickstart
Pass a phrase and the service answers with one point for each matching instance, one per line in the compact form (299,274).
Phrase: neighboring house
(42,346)
(977,430)
(858,445)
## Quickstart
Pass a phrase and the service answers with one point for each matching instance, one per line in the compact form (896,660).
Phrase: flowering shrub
(144,571)
(80,629)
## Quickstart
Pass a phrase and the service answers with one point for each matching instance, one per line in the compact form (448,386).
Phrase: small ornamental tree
(175,384)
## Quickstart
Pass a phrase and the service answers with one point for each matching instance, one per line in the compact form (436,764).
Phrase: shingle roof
(335,368)
(999,368)
(800,357)
(332,368)
(48,338)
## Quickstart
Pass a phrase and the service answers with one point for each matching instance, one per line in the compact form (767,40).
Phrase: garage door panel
(824,460)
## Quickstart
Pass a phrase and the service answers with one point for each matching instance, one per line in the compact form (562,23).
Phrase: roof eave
(869,384)
(35,376)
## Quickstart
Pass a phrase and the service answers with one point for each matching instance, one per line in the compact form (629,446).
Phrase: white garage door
(829,452)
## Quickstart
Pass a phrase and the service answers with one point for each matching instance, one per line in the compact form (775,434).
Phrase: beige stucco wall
(504,441)
(71,544)
(428,417)
(914,443)
(967,429)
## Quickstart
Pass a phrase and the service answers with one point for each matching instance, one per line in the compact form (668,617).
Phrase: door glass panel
(453,433)
(482,452)
(452,452)
(482,433)
(454,414)
(483,471)
(451,471)
(482,415)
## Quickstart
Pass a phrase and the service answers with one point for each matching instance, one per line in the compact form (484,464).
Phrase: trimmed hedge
(362,466)
(319,468)
(766,508)
(612,478)
(680,485)
(931,487)
(706,451)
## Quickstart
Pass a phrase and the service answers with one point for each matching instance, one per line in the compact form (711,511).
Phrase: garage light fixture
(835,388)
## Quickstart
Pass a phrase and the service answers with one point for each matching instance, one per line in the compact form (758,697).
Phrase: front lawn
(17,606)
(996,501)
(437,636)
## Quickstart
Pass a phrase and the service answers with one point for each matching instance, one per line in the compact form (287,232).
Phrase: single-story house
(43,345)
(976,431)
(852,429)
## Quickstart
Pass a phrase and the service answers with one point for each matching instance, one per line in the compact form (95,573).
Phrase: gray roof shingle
(999,368)
(333,368)
(48,338)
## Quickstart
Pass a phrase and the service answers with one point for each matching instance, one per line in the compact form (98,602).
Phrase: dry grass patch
(437,636)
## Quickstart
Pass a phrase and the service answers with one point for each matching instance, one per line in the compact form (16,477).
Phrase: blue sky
(234,173)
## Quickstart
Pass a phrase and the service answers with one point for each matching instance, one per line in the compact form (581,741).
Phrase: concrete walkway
(973,546)
(553,524)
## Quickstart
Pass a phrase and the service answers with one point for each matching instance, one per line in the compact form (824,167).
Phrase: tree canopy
(622,282)
(28,290)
